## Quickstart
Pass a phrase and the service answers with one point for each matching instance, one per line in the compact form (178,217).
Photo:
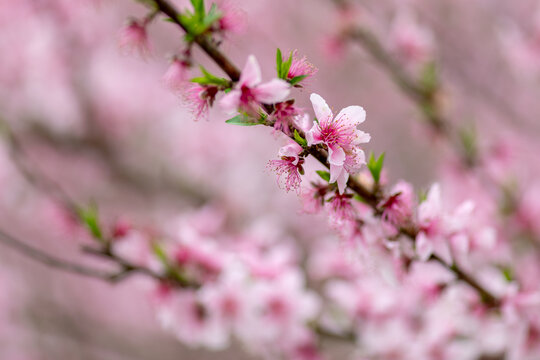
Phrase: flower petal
(342,181)
(336,155)
(313,136)
(251,73)
(321,109)
(361,137)
(442,248)
(335,172)
(230,102)
(431,208)
(352,115)
(424,248)
(274,91)
(292,149)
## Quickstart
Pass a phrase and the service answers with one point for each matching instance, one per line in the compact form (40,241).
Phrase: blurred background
(102,125)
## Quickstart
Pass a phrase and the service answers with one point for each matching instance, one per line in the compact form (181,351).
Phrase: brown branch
(371,197)
(57,263)
(406,83)
(204,42)
(142,182)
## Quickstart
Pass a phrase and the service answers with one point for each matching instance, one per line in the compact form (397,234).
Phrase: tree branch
(372,198)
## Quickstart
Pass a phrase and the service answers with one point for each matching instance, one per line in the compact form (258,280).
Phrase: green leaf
(325,175)
(295,80)
(244,120)
(286,66)
(160,253)
(422,195)
(209,79)
(300,140)
(429,77)
(198,6)
(469,144)
(89,217)
(213,15)
(508,273)
(279,61)
(359,198)
(375,166)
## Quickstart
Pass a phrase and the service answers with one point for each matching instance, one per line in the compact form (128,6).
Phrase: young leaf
(160,253)
(359,198)
(198,6)
(209,79)
(89,217)
(300,140)
(508,273)
(375,166)
(422,196)
(286,66)
(295,80)
(243,120)
(428,77)
(213,15)
(469,143)
(325,175)
(279,61)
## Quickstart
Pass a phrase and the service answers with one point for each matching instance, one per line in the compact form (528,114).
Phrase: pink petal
(342,181)
(361,137)
(460,243)
(352,115)
(321,109)
(292,149)
(443,250)
(424,248)
(431,208)
(335,172)
(303,122)
(274,91)
(336,155)
(230,102)
(251,74)
(313,136)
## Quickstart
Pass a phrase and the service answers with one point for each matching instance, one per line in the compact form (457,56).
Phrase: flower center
(246,95)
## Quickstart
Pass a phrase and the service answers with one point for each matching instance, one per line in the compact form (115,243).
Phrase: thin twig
(54,262)
(372,198)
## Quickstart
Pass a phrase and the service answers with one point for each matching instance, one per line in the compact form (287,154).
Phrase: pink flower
(412,42)
(199,99)
(133,38)
(199,261)
(300,67)
(398,207)
(232,20)
(227,300)
(177,74)
(431,238)
(121,229)
(286,306)
(341,137)
(333,47)
(136,249)
(341,209)
(284,114)
(289,166)
(249,92)
(181,313)
(313,198)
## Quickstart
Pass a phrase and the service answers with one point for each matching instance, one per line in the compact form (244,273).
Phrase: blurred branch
(418,93)
(426,99)
(95,143)
(57,263)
